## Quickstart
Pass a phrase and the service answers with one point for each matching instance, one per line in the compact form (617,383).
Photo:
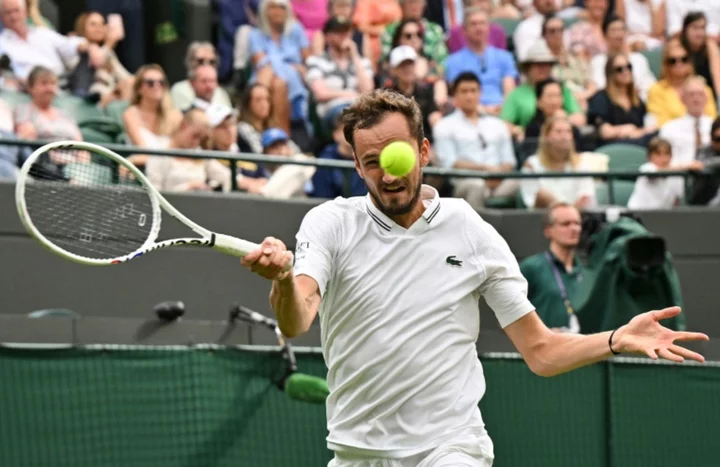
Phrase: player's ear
(424,153)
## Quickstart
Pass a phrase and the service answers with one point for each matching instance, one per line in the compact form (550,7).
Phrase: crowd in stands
(504,85)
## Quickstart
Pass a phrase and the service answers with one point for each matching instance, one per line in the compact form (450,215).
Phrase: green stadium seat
(78,107)
(14,99)
(115,110)
(622,190)
(501,202)
(92,135)
(654,58)
(570,21)
(508,24)
(623,156)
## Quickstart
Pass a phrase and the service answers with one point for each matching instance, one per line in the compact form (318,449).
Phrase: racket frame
(220,242)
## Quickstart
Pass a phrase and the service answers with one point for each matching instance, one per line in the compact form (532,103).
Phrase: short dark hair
(658,144)
(372,107)
(465,77)
(541,85)
(610,20)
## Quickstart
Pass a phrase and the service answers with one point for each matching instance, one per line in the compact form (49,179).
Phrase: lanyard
(574,324)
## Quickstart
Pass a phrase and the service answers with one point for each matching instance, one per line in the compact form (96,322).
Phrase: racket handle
(237,247)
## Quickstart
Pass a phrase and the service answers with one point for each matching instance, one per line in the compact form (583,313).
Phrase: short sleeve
(299,36)
(315,245)
(256,42)
(509,111)
(598,111)
(314,69)
(570,104)
(504,287)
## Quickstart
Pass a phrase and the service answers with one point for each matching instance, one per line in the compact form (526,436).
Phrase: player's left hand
(645,335)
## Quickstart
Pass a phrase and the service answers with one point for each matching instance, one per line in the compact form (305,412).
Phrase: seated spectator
(340,9)
(278,50)
(30,46)
(645,22)
(615,32)
(664,101)
(554,275)
(549,104)
(706,187)
(495,67)
(660,192)
(151,118)
(405,81)
(339,75)
(255,118)
(521,105)
(691,132)
(568,69)
(372,19)
(202,83)
(38,119)
(467,140)
(223,128)
(331,183)
(585,38)
(617,111)
(678,10)
(703,51)
(178,174)
(312,14)
(111,80)
(434,47)
(556,154)
(529,31)
(497,36)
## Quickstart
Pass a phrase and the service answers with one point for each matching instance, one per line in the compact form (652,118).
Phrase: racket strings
(78,201)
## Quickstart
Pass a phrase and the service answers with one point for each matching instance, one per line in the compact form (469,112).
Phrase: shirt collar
(428,195)
(576,263)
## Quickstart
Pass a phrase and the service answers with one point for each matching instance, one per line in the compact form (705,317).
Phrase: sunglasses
(676,60)
(411,35)
(621,68)
(152,82)
(206,61)
(553,30)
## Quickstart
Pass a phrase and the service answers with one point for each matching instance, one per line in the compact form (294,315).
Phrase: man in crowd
(530,29)
(204,83)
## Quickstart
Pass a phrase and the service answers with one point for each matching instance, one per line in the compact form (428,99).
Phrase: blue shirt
(492,66)
(330,183)
(288,50)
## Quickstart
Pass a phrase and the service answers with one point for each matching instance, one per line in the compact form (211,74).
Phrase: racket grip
(236,247)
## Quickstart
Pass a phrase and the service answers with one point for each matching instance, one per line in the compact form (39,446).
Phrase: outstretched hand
(645,335)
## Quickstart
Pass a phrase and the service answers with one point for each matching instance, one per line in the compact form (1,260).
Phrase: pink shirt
(312,14)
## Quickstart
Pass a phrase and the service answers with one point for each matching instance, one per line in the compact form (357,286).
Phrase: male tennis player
(396,277)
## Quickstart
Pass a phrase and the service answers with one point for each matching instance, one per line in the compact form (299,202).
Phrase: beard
(396,209)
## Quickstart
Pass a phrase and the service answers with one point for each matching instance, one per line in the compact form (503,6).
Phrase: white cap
(217,113)
(402,53)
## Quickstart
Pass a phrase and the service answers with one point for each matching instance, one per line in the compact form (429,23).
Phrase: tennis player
(396,277)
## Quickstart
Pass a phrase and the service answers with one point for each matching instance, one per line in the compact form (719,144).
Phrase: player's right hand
(269,260)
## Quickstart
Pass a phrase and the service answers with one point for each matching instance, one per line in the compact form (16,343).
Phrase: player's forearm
(562,352)
(290,307)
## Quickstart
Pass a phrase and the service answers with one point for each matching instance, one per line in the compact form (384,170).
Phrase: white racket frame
(220,242)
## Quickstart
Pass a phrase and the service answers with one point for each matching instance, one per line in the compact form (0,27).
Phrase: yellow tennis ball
(398,158)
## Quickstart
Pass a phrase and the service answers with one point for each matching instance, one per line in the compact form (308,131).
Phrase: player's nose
(388,179)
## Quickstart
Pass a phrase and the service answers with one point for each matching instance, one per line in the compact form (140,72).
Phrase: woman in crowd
(664,101)
(198,54)
(278,50)
(340,9)
(585,38)
(183,173)
(569,69)
(255,111)
(112,80)
(703,51)
(498,37)
(556,154)
(617,111)
(549,104)
(646,22)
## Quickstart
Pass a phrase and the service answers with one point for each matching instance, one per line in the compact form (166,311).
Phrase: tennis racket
(90,205)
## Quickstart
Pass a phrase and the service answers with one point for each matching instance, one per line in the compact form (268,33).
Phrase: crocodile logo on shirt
(453,261)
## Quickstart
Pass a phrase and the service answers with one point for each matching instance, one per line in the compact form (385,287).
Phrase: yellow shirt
(664,103)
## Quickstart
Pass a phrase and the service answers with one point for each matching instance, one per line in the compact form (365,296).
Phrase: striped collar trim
(430,197)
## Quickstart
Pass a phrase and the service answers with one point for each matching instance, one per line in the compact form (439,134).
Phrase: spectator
(372,19)
(556,154)
(340,9)
(664,101)
(615,32)
(312,14)
(30,46)
(201,84)
(339,75)
(691,132)
(234,19)
(495,68)
(529,30)
(645,22)
(434,47)
(255,113)
(549,104)
(704,53)
(706,187)
(568,69)
(497,36)
(617,111)
(521,105)
(223,128)
(467,140)
(660,192)
(151,118)
(331,183)
(111,80)
(677,10)
(178,174)
(405,81)
(278,49)
(585,38)
(38,119)
(554,275)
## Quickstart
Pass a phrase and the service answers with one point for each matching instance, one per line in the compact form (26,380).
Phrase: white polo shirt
(399,320)
(681,134)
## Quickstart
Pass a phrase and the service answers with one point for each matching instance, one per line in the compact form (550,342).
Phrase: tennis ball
(398,158)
